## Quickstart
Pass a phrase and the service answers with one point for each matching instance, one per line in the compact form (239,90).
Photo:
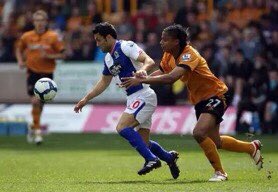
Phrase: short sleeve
(106,70)
(131,49)
(190,60)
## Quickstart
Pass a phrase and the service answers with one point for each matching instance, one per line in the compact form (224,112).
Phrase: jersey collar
(114,46)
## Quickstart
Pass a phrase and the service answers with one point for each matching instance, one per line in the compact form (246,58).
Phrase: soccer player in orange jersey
(207,93)
(37,51)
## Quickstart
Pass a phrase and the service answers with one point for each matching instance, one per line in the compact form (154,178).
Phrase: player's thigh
(209,114)
(205,125)
(126,120)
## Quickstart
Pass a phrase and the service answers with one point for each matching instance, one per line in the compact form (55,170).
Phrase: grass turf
(96,162)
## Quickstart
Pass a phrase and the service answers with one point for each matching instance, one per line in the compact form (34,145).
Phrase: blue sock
(160,152)
(137,142)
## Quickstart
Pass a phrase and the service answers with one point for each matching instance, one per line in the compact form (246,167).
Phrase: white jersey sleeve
(131,49)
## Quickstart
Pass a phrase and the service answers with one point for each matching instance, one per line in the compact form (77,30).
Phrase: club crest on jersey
(186,57)
(116,54)
(115,69)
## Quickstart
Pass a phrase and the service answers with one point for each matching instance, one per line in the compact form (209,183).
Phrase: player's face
(102,43)
(168,43)
(40,23)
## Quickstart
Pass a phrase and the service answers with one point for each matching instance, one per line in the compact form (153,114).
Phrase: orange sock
(211,152)
(232,144)
(36,114)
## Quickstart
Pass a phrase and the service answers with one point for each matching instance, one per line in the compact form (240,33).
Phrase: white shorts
(142,105)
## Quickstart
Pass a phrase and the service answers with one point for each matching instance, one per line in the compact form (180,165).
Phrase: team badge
(116,54)
(186,57)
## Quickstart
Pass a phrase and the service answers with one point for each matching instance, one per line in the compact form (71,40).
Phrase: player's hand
(130,81)
(140,74)
(21,65)
(78,107)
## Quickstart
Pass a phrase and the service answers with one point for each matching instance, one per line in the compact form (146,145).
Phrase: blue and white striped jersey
(121,62)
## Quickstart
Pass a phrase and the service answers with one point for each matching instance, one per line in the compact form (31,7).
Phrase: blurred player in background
(36,51)
(123,58)
(207,93)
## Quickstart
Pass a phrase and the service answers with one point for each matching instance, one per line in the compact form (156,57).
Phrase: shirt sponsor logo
(115,69)
(37,46)
(186,57)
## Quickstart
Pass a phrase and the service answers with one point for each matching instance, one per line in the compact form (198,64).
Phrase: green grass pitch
(105,162)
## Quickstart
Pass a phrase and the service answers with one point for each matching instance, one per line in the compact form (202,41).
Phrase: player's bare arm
(19,57)
(148,62)
(101,85)
(156,73)
(173,76)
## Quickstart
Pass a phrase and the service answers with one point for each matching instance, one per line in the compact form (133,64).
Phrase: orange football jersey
(200,81)
(32,43)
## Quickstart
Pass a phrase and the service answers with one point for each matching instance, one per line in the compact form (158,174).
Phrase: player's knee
(199,135)
(119,128)
(126,122)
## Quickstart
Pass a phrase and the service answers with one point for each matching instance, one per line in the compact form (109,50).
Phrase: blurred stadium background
(238,38)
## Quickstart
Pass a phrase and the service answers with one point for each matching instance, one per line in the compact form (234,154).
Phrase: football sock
(160,152)
(137,142)
(36,114)
(211,152)
(232,144)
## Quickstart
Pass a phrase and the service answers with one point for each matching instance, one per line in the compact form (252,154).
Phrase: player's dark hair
(105,29)
(176,31)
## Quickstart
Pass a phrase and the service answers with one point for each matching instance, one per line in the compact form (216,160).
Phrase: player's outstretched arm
(101,85)
(148,62)
(156,73)
(173,76)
